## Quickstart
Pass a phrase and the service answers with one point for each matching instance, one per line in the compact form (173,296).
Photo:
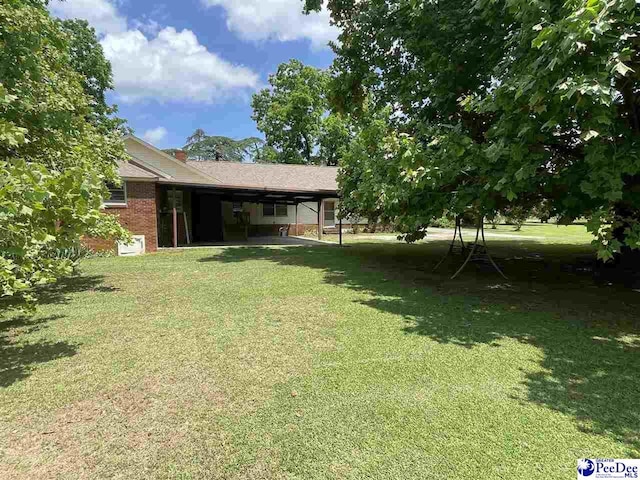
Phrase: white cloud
(172,66)
(101,14)
(154,62)
(147,25)
(276,20)
(155,135)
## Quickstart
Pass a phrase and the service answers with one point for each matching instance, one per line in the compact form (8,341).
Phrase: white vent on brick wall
(137,247)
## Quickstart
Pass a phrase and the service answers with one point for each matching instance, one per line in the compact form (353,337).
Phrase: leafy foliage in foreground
(498,105)
(58,146)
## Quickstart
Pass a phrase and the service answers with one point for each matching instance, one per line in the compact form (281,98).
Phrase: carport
(190,215)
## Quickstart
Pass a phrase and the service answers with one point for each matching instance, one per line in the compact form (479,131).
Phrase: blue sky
(186,64)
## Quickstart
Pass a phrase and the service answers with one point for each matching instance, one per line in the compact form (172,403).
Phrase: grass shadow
(588,333)
(17,358)
(59,292)
(18,354)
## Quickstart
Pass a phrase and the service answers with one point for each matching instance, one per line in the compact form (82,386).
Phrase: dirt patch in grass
(131,425)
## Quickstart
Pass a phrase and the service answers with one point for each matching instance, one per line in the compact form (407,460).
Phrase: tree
(202,147)
(516,216)
(294,116)
(335,135)
(258,151)
(215,148)
(503,105)
(197,136)
(55,154)
(542,211)
(581,131)
(363,160)
(86,56)
(170,151)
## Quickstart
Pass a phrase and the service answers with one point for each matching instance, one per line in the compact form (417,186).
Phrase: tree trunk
(630,103)
(625,267)
(307,147)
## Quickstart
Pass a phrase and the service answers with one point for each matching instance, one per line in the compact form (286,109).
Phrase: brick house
(171,201)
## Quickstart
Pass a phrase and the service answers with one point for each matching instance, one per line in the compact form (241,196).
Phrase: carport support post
(175,219)
(297,232)
(340,231)
(320,218)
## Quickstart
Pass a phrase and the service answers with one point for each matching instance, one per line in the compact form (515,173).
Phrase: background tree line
(294,116)
(202,147)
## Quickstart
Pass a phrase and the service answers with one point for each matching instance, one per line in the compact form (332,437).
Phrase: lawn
(534,232)
(322,363)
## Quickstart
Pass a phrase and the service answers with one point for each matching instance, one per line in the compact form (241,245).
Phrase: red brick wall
(139,217)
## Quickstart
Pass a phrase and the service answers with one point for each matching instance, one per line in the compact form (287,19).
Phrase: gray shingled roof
(129,170)
(299,178)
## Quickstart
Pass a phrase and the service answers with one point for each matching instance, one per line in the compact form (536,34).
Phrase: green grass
(549,233)
(322,363)
(537,232)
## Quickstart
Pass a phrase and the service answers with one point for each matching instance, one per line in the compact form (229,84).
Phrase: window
(281,210)
(274,210)
(117,195)
(268,210)
(329,213)
(179,194)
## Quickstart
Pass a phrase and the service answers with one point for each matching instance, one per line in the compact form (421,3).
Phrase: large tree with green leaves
(498,105)
(87,58)
(294,116)
(57,149)
(363,161)
(222,148)
(335,134)
(203,147)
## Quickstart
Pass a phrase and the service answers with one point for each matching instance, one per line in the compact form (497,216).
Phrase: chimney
(181,155)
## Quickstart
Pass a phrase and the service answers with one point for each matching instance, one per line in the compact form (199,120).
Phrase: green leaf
(622,69)
(603,119)
(26,210)
(590,134)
